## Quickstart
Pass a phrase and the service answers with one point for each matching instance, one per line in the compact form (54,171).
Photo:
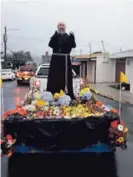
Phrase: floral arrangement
(39,104)
(44,105)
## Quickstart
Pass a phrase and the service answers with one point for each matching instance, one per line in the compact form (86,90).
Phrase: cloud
(91,21)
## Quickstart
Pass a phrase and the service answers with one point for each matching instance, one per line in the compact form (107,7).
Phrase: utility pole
(105,55)
(5,44)
(80,51)
(103,47)
(90,50)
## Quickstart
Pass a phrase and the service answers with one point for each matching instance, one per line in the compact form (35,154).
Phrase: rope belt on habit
(61,54)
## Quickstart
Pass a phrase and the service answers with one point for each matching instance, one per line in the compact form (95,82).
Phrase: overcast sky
(90,20)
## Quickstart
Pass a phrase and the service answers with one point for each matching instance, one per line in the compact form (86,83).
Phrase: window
(43,72)
(27,69)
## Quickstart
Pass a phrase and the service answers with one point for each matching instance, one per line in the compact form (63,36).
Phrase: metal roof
(124,54)
(88,56)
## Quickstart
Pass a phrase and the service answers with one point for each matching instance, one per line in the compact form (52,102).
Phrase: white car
(41,77)
(7,74)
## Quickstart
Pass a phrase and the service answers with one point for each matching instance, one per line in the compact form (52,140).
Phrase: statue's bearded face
(61,28)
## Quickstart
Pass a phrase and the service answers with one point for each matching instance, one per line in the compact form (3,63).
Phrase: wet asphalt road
(120,166)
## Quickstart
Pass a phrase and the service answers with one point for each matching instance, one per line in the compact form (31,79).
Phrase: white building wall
(131,85)
(129,72)
(105,72)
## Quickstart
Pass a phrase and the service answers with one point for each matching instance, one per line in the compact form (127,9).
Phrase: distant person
(61,43)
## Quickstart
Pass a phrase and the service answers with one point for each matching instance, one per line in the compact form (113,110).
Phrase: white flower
(56,112)
(30,107)
(120,127)
(45,108)
(33,102)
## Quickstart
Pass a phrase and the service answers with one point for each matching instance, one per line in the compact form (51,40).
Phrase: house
(103,68)
(123,63)
(89,67)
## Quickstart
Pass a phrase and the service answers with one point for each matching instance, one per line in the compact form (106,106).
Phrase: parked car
(41,77)
(7,74)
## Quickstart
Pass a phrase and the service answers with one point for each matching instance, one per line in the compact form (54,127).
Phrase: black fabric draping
(56,134)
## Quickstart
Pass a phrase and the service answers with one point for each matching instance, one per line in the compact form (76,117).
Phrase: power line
(30,38)
(90,49)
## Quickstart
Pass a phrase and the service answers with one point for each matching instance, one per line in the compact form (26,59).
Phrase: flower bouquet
(58,116)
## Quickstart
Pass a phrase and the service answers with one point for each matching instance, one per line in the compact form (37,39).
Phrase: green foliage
(20,58)
(16,59)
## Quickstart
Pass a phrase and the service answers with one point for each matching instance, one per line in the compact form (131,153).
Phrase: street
(13,95)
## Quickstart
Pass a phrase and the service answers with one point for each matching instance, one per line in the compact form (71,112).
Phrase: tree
(16,59)
(28,56)
(8,63)
(20,58)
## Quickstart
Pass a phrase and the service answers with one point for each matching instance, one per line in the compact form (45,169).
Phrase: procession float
(47,123)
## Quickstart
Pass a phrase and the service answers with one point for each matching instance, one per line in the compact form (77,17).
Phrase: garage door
(120,67)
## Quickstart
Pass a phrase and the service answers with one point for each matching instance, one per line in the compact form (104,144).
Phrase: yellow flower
(125,130)
(120,140)
(40,103)
(80,106)
(56,96)
(84,90)
(61,93)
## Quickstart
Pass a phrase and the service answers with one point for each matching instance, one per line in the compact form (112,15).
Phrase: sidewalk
(112,93)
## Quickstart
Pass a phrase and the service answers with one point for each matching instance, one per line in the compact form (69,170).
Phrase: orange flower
(18,106)
(114,124)
(20,111)
(98,103)
(114,110)
(7,113)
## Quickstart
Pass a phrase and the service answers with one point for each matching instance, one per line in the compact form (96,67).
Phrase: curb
(109,97)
